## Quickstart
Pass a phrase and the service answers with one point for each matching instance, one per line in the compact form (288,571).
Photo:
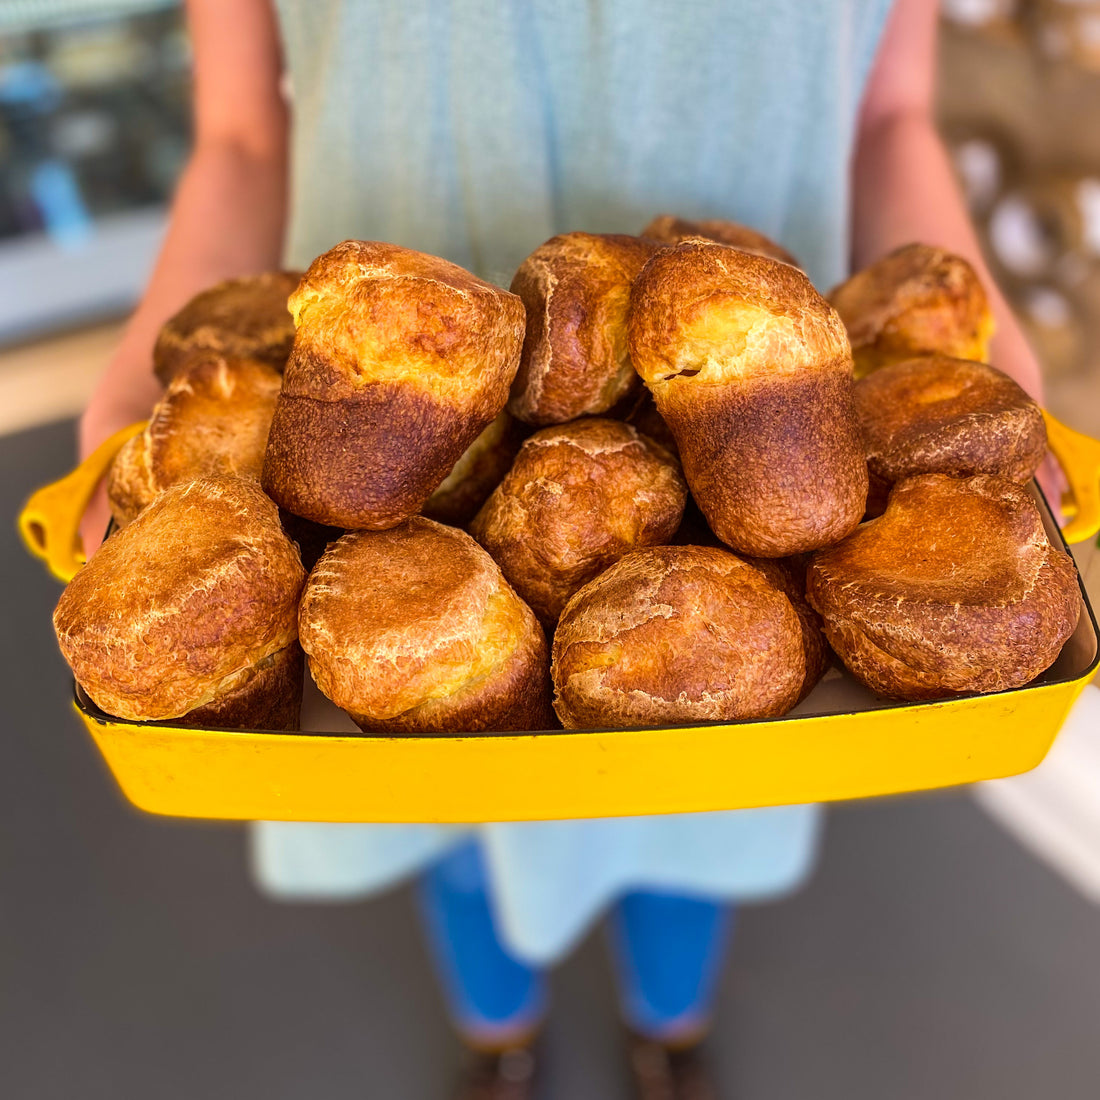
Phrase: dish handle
(50,520)
(1079,457)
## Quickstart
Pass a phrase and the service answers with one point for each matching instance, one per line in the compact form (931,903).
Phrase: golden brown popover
(477,473)
(954,589)
(676,634)
(193,605)
(212,422)
(937,415)
(789,576)
(578,497)
(750,368)
(243,318)
(576,289)
(270,699)
(673,230)
(917,300)
(400,361)
(415,630)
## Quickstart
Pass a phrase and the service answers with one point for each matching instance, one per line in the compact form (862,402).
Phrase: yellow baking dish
(839,743)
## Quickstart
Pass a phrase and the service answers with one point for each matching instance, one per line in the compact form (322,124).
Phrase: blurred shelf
(47,286)
(32,15)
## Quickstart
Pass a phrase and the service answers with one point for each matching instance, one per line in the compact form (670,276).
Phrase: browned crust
(777,470)
(130,484)
(578,497)
(749,368)
(400,361)
(918,300)
(368,463)
(955,589)
(414,629)
(242,318)
(788,575)
(477,473)
(369,312)
(948,416)
(178,607)
(704,313)
(212,422)
(576,290)
(271,698)
(673,230)
(515,697)
(676,634)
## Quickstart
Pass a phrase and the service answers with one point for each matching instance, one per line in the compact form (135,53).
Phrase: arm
(903,186)
(228,213)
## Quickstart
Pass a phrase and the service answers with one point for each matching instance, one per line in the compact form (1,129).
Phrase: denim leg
(493,998)
(669,952)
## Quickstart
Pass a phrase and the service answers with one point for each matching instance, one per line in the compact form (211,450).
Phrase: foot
(665,1073)
(503,1075)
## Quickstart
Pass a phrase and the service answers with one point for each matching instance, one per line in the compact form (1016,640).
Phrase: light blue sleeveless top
(476,129)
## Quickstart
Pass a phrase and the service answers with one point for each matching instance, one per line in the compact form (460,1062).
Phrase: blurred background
(94,122)
(135,957)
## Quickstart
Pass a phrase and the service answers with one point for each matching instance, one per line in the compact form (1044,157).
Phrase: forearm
(905,191)
(227,219)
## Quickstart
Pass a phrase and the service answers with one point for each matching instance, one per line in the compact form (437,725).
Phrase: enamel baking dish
(839,743)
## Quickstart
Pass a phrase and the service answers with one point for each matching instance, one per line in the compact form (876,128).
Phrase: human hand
(1053,482)
(106,415)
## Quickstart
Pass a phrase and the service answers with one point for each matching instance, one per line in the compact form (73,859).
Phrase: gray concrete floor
(930,957)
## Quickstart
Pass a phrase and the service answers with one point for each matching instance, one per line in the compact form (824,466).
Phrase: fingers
(93,527)
(1054,485)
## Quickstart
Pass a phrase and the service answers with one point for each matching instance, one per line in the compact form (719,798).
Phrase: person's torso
(476,129)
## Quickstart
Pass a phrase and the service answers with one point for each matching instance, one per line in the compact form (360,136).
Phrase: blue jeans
(668,953)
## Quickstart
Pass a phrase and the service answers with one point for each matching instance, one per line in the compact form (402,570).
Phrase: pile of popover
(659,481)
